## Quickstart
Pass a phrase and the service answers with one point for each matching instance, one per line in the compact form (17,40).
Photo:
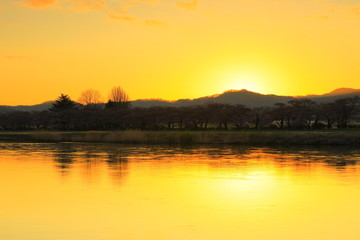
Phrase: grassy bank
(349,137)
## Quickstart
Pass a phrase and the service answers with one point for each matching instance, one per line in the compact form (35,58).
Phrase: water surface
(109,191)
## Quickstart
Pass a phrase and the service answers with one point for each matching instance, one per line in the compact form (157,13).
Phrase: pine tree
(63,103)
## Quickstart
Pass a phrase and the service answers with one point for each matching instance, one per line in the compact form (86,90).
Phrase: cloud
(191,5)
(114,9)
(146,1)
(128,4)
(75,4)
(87,5)
(120,17)
(39,3)
(119,13)
(122,13)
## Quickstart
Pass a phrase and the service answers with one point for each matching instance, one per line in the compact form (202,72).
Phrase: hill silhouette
(244,97)
(336,94)
(342,91)
(248,98)
(37,107)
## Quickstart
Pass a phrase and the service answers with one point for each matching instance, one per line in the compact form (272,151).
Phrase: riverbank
(336,137)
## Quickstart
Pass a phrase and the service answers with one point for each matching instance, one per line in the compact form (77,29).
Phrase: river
(77,191)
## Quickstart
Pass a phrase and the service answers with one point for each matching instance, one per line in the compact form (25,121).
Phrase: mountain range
(245,97)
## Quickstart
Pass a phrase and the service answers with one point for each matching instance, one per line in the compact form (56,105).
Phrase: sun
(259,78)
(251,81)
(248,82)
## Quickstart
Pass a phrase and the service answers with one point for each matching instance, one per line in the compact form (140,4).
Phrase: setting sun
(256,77)
(245,80)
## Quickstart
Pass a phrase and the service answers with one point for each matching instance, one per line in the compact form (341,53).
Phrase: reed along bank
(263,137)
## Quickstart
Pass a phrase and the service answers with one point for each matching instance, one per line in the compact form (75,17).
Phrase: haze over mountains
(245,97)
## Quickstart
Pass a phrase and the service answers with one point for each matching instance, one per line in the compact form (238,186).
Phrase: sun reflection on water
(97,191)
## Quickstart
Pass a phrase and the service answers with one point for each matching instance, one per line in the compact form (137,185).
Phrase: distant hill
(151,103)
(248,98)
(37,107)
(244,97)
(343,91)
(336,94)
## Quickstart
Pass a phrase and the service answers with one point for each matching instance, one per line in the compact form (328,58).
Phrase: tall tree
(345,109)
(303,111)
(63,103)
(118,98)
(240,116)
(280,114)
(90,97)
(261,117)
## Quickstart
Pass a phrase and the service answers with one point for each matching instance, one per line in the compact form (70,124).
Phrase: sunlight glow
(190,48)
(252,186)
(248,82)
(251,80)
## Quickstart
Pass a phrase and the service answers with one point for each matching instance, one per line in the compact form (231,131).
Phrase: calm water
(114,192)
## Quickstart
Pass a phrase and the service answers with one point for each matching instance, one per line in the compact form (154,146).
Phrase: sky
(173,49)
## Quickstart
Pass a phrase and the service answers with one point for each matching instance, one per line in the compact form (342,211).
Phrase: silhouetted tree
(64,112)
(170,117)
(118,98)
(16,120)
(90,98)
(42,119)
(299,113)
(240,116)
(221,114)
(261,117)
(327,114)
(63,103)
(302,111)
(280,114)
(345,109)
(197,117)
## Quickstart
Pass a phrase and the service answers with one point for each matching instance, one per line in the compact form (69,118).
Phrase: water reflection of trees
(338,156)
(64,158)
(118,166)
(90,158)
(222,156)
(296,156)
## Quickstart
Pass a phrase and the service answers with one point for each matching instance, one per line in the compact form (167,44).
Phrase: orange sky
(176,48)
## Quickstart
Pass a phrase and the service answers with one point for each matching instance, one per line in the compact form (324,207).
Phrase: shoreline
(262,137)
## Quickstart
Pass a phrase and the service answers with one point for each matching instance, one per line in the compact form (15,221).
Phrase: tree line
(89,113)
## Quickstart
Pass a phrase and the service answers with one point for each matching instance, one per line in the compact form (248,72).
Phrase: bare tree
(240,116)
(90,97)
(303,111)
(118,98)
(117,94)
(281,114)
(261,117)
(345,109)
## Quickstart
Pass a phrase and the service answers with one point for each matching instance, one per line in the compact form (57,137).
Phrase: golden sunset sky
(175,49)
